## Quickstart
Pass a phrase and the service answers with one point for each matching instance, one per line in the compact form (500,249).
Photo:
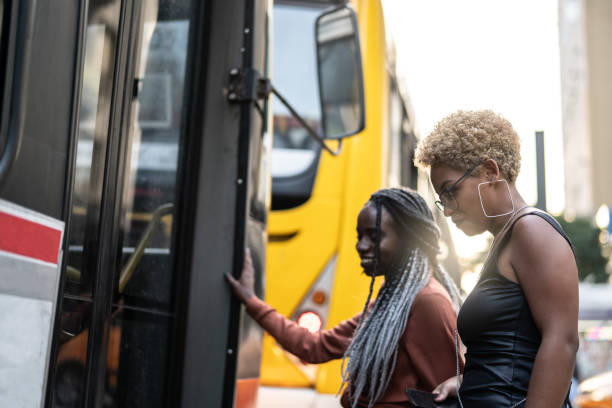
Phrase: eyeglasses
(447,196)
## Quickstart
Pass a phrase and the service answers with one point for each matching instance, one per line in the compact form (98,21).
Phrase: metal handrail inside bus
(128,269)
(132,262)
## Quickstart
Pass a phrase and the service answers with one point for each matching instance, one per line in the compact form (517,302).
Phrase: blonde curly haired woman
(520,323)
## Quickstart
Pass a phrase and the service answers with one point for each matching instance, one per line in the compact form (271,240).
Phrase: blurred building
(585,35)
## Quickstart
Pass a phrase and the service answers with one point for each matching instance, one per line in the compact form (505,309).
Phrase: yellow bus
(313,273)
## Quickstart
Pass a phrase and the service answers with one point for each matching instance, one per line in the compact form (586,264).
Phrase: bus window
(91,150)
(1,31)
(402,142)
(3,27)
(395,137)
(410,173)
(295,154)
(143,312)
(91,145)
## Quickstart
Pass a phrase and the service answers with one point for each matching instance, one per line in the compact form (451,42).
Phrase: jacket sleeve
(430,342)
(310,347)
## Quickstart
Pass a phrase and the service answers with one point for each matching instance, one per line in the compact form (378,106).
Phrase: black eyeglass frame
(447,191)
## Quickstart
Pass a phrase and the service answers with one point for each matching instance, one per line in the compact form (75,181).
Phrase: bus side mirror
(340,73)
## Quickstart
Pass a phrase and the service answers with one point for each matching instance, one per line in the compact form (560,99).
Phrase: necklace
(503,228)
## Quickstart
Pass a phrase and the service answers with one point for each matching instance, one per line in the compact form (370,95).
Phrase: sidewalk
(278,397)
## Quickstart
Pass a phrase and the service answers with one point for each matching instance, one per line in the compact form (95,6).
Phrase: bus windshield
(295,75)
(295,154)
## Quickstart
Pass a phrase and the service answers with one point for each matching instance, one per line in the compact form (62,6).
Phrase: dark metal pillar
(541,170)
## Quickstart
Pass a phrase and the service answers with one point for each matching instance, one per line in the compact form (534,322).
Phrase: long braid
(445,279)
(365,307)
(372,354)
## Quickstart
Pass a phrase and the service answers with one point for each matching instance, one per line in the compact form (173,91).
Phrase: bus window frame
(4,28)
(16,37)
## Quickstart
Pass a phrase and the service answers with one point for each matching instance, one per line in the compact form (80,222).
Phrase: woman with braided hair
(404,338)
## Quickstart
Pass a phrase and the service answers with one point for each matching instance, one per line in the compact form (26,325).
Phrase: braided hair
(370,359)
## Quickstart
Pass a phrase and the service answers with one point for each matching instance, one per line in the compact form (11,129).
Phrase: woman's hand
(446,389)
(244,287)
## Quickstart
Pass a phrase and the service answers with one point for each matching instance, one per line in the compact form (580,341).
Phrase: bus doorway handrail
(128,269)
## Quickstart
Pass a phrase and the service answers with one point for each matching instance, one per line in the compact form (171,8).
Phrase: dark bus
(134,170)
(116,123)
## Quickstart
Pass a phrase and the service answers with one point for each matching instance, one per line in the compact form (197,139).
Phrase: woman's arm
(310,347)
(546,270)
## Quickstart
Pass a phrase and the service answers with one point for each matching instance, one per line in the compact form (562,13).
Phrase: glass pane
(340,74)
(295,76)
(144,294)
(75,314)
(150,179)
(395,138)
(100,46)
(1,27)
(136,359)
(72,353)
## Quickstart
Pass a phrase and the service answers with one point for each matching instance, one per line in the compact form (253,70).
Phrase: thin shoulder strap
(547,217)
(495,249)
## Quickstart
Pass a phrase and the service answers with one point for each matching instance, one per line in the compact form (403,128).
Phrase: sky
(486,54)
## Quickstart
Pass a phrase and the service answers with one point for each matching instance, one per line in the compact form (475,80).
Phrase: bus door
(118,311)
(130,141)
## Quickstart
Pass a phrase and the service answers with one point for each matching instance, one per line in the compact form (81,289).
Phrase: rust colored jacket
(426,354)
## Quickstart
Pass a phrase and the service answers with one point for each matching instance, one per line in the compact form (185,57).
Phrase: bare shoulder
(532,233)
(535,245)
(543,261)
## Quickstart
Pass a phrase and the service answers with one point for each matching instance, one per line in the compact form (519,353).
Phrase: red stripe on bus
(27,238)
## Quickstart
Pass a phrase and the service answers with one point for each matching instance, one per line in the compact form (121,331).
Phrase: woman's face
(366,239)
(463,204)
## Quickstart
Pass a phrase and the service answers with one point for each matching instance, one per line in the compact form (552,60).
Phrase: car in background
(594,358)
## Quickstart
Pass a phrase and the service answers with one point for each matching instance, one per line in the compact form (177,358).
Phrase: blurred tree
(585,238)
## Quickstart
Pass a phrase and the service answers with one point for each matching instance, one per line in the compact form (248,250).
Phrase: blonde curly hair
(466,138)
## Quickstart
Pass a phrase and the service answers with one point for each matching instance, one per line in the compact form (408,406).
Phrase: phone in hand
(424,399)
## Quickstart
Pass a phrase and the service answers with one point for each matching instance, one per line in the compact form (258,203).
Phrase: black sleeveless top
(496,326)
